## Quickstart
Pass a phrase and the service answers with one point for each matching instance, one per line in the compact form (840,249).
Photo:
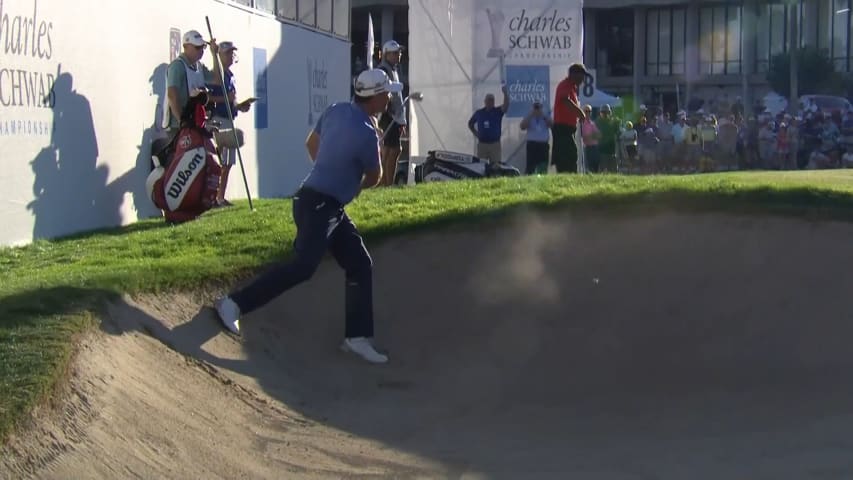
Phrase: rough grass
(50,291)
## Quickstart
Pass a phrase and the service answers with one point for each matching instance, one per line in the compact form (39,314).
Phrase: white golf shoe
(229,314)
(362,347)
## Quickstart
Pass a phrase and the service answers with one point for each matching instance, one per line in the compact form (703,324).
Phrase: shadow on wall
(70,189)
(133,180)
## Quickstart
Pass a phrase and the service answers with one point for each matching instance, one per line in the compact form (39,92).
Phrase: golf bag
(442,165)
(188,184)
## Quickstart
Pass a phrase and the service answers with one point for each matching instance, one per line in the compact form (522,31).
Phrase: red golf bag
(188,184)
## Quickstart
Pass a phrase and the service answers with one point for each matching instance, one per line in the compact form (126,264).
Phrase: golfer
(344,146)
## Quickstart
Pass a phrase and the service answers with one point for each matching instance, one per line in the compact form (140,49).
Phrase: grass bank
(51,291)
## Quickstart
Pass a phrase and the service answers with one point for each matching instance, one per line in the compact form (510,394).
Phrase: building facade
(687,53)
(673,53)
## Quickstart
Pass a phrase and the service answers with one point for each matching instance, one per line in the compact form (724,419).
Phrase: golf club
(416,96)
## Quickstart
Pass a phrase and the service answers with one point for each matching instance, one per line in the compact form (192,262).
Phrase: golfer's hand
(214,47)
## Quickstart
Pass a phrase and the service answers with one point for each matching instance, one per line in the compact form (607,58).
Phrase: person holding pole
(225,139)
(392,121)
(344,146)
(220,79)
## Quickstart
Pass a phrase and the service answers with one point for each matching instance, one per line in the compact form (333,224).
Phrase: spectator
(394,118)
(767,144)
(794,143)
(628,138)
(693,143)
(225,143)
(488,121)
(567,113)
(679,150)
(782,146)
(667,141)
(847,159)
(185,74)
(609,128)
(591,135)
(538,124)
(647,144)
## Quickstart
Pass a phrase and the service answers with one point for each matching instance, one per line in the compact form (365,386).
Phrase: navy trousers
(321,225)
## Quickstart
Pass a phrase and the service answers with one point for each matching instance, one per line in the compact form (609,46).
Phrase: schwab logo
(186,173)
(526,85)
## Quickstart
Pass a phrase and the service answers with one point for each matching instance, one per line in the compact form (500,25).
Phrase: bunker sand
(544,346)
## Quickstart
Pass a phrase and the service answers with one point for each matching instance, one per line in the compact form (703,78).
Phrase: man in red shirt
(567,113)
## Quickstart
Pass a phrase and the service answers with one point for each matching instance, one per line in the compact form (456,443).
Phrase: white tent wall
(80,163)
(455,61)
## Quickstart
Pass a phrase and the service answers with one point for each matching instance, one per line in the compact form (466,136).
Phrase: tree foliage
(815,73)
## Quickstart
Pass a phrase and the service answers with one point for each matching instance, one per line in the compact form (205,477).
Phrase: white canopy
(599,99)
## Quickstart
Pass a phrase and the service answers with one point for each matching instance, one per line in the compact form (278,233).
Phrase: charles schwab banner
(526,45)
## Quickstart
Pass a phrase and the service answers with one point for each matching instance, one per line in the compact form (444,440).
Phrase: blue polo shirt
(349,148)
(216,90)
(488,123)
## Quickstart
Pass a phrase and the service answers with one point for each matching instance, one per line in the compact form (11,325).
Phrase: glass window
(664,43)
(324,15)
(718,41)
(306,11)
(762,39)
(778,28)
(665,47)
(247,3)
(841,34)
(265,5)
(286,9)
(824,24)
(341,17)
(706,39)
(679,21)
(652,42)
(615,43)
(733,39)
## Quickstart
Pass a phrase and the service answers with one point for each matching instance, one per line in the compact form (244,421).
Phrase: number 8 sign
(588,87)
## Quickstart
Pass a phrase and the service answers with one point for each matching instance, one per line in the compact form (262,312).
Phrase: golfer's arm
(371,178)
(574,106)
(172,94)
(312,143)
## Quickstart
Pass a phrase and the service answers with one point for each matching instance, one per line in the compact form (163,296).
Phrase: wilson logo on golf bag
(188,186)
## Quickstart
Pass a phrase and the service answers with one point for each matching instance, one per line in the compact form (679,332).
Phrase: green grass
(51,291)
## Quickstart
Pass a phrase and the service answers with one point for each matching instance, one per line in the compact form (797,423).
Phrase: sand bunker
(550,346)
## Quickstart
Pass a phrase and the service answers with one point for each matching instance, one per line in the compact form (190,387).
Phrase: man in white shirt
(538,124)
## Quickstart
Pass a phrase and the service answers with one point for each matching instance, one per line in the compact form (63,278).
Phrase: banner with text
(527,46)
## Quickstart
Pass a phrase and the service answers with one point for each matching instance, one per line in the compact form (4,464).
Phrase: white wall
(81,163)
(450,63)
